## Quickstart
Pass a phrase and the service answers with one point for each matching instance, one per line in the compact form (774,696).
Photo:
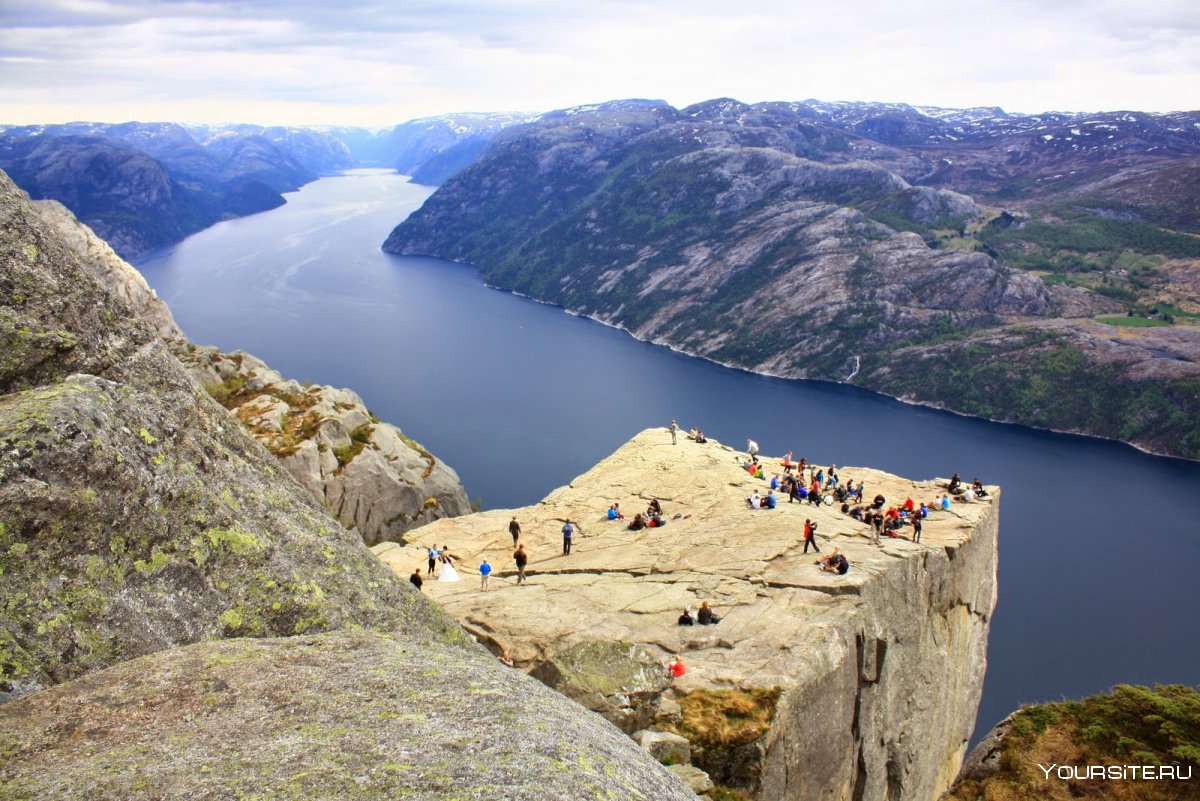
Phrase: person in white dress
(448,573)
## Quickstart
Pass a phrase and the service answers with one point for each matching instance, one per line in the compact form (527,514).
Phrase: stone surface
(619,680)
(138,516)
(365,472)
(693,777)
(667,747)
(383,488)
(346,715)
(882,668)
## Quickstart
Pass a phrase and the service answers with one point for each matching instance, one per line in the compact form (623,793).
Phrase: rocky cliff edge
(881,670)
(182,620)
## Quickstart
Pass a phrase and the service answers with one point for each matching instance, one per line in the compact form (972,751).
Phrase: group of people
(704,616)
(651,518)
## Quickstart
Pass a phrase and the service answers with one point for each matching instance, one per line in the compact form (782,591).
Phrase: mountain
(143,186)
(864,243)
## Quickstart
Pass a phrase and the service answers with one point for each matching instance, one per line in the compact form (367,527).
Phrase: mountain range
(1031,268)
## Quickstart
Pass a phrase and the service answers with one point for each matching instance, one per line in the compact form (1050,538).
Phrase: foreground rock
(342,715)
(881,669)
(137,516)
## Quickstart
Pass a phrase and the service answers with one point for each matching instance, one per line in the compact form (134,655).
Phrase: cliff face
(881,670)
(137,516)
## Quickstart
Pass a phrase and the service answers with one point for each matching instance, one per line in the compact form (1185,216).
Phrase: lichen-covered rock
(621,681)
(346,715)
(114,271)
(365,472)
(696,779)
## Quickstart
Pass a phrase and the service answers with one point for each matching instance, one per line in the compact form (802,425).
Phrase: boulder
(696,779)
(327,717)
(621,681)
(667,747)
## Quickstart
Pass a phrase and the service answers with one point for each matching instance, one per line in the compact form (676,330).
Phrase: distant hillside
(994,264)
(143,186)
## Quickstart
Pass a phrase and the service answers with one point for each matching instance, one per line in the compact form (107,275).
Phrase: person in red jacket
(676,667)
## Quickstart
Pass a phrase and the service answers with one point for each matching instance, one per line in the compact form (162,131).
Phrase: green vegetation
(1132,725)
(1134,321)
(1040,379)
(727,718)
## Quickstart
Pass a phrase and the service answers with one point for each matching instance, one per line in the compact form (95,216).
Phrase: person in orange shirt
(676,667)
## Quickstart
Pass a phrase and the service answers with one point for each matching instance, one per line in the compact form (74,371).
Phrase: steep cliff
(137,516)
(880,670)
(780,239)
(365,472)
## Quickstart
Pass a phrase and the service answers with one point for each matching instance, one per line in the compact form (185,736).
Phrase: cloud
(381,62)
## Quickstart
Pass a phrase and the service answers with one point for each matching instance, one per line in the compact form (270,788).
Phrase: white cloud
(379,63)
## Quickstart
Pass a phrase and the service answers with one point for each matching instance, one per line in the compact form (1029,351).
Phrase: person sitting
(922,511)
(840,494)
(909,504)
(955,481)
(693,434)
(980,492)
(686,618)
(506,659)
(945,503)
(700,438)
(614,512)
(638,523)
(676,667)
(878,502)
(770,501)
(968,495)
(775,481)
(835,562)
(655,521)
(654,509)
(705,616)
(755,500)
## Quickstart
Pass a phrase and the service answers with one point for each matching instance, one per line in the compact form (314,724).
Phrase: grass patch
(1133,321)
(727,718)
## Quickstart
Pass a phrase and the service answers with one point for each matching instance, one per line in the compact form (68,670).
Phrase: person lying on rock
(705,616)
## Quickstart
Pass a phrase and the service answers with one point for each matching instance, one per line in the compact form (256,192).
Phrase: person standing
(522,559)
(810,530)
(568,532)
(674,431)
(416,579)
(876,526)
(485,571)
(514,528)
(752,449)
(434,554)
(916,524)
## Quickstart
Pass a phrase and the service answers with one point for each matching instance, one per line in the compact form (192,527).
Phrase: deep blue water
(1099,543)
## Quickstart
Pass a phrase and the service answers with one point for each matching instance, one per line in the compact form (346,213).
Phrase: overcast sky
(380,63)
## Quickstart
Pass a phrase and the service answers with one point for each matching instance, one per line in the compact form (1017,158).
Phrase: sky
(376,64)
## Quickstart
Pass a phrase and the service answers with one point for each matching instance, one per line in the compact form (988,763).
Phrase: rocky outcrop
(323,718)
(137,516)
(365,472)
(881,670)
